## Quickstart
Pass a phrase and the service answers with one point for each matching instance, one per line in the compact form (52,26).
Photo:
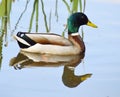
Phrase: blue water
(101,57)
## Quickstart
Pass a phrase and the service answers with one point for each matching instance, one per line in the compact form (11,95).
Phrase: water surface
(101,57)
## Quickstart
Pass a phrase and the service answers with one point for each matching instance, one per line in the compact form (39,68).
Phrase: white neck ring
(75,34)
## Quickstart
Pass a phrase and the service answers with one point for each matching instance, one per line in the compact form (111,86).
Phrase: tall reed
(5,9)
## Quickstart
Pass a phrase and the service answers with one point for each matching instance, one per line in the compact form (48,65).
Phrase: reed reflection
(1,43)
(27,60)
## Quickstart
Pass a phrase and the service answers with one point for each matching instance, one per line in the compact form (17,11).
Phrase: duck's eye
(82,17)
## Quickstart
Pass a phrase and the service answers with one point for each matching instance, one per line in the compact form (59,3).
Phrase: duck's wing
(42,38)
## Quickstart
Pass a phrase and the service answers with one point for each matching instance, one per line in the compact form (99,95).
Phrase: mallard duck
(50,43)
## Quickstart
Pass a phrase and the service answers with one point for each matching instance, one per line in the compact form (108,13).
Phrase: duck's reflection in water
(27,60)
(70,79)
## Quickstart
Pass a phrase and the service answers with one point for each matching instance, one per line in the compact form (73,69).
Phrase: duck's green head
(76,20)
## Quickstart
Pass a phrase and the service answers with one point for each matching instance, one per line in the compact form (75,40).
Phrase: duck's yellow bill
(91,24)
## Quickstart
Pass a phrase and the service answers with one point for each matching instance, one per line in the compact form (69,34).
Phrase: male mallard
(49,43)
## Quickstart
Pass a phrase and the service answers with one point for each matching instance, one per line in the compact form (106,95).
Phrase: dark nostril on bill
(19,34)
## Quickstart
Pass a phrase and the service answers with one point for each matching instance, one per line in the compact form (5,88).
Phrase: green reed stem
(82,31)
(67,5)
(1,47)
(16,25)
(31,19)
(75,6)
(80,2)
(63,33)
(37,14)
(84,6)
(45,18)
(5,22)
(50,20)
(56,9)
